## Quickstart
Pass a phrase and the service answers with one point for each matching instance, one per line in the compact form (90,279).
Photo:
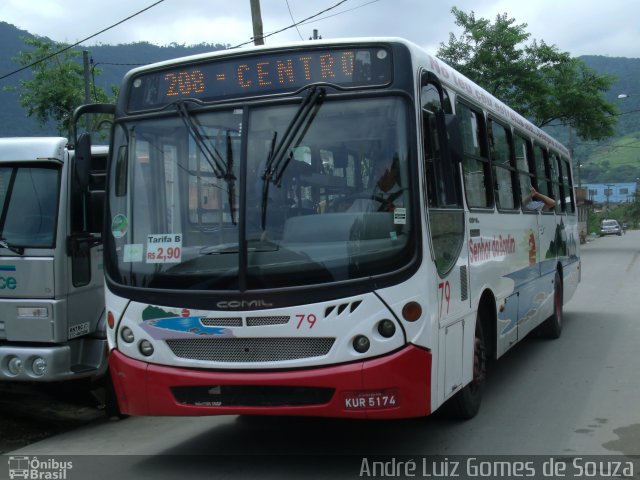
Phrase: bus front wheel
(466,403)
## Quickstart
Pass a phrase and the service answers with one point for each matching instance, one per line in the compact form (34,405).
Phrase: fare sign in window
(164,248)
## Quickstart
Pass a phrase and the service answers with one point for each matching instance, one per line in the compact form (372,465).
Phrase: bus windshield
(28,206)
(270,195)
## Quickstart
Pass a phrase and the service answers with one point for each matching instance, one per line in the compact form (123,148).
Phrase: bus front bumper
(394,386)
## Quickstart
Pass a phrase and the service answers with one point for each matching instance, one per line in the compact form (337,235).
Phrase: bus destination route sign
(244,76)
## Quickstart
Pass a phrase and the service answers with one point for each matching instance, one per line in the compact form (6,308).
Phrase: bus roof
(450,78)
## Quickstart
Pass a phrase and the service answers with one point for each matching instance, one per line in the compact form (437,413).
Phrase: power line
(293,20)
(342,12)
(295,24)
(305,22)
(81,41)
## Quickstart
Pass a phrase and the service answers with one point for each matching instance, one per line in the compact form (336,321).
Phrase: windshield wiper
(280,154)
(230,178)
(221,169)
(13,248)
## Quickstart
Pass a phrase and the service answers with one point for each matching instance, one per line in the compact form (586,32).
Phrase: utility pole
(608,192)
(256,17)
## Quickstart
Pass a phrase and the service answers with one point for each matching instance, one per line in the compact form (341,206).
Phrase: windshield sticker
(164,248)
(119,225)
(133,252)
(400,216)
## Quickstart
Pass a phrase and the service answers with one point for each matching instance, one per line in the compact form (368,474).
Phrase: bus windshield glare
(264,196)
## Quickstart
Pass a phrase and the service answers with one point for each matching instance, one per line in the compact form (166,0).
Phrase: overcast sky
(581,27)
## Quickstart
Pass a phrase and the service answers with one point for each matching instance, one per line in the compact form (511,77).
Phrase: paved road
(578,395)
(29,413)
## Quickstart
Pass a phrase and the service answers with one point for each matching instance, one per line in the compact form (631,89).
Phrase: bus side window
(555,182)
(431,152)
(541,159)
(442,177)
(475,159)
(500,150)
(522,149)
(567,187)
(444,192)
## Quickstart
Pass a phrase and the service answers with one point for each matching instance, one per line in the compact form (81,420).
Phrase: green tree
(535,79)
(57,84)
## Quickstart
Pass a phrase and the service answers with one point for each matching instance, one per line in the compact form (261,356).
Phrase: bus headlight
(127,335)
(145,348)
(361,344)
(386,328)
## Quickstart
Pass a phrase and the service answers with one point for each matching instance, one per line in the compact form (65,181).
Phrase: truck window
(28,205)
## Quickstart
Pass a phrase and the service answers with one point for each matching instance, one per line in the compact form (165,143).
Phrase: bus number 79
(306,320)
(445,295)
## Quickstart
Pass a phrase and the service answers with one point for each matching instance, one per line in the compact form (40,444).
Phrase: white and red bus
(252,267)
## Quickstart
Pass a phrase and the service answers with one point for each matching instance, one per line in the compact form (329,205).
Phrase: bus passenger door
(446,222)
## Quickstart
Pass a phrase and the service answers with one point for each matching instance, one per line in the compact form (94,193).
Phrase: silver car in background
(610,227)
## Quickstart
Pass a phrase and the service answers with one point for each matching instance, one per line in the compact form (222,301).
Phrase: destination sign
(242,76)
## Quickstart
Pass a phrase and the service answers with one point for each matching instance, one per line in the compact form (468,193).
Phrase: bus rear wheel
(552,327)
(466,403)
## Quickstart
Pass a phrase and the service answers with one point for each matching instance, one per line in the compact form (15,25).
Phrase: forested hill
(115,60)
(615,159)
(627,74)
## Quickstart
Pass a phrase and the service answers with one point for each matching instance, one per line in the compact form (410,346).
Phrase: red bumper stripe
(145,389)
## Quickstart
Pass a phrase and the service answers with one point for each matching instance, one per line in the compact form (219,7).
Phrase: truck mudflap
(80,358)
(392,386)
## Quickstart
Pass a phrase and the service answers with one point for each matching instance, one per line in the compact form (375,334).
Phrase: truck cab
(52,318)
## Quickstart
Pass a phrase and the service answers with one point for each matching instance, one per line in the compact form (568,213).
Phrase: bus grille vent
(261,321)
(464,280)
(240,350)
(342,307)
(3,333)
(221,322)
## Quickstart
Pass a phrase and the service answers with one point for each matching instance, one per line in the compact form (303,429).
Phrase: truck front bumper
(79,358)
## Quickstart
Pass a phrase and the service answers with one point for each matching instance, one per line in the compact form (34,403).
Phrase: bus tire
(111,407)
(551,328)
(466,403)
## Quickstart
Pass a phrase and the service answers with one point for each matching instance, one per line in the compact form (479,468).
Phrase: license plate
(379,399)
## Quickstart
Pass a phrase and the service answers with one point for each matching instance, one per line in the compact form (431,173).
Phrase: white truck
(52,318)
